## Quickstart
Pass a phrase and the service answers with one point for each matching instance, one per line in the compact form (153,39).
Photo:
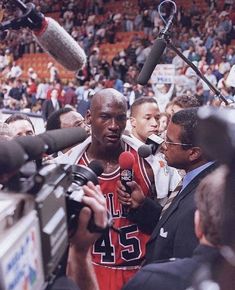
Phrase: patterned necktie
(171,197)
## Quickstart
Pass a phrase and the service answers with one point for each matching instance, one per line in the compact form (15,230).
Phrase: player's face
(108,121)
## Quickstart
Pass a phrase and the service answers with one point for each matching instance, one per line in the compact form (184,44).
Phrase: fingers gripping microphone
(126,161)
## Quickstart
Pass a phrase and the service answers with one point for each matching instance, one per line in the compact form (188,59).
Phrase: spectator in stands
(20,125)
(163,93)
(70,97)
(54,73)
(17,95)
(42,90)
(15,71)
(66,117)
(32,74)
(183,102)
(164,120)
(51,105)
(206,90)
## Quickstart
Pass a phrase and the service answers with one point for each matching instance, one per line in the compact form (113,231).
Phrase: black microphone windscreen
(151,61)
(96,166)
(61,139)
(12,156)
(144,151)
(34,146)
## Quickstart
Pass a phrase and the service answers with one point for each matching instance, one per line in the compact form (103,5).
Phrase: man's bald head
(108,95)
(108,113)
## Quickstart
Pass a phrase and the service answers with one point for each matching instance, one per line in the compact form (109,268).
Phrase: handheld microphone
(157,50)
(152,145)
(52,37)
(126,161)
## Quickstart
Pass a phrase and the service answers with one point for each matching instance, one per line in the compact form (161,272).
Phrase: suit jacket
(177,275)
(48,109)
(173,235)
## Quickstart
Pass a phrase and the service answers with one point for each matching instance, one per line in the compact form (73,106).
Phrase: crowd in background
(156,222)
(204,37)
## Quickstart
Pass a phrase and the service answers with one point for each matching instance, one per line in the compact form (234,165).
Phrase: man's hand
(134,200)
(95,207)
(80,268)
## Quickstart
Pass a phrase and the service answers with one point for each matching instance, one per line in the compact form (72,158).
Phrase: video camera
(36,221)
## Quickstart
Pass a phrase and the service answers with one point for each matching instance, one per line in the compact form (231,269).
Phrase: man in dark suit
(52,105)
(179,274)
(172,229)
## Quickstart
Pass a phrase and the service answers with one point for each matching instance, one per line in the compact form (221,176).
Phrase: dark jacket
(177,275)
(48,109)
(173,235)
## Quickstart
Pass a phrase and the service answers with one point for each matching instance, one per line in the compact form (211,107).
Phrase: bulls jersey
(127,246)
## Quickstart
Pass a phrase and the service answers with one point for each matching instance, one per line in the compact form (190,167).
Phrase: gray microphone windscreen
(55,40)
(144,151)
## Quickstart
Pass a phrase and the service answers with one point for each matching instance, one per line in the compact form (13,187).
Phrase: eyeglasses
(176,143)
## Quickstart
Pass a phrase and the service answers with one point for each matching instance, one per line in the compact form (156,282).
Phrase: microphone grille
(96,167)
(126,160)
(144,151)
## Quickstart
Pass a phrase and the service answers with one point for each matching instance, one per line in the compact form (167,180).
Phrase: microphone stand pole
(166,37)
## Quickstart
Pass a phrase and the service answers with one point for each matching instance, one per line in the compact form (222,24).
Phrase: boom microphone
(60,45)
(52,37)
(157,50)
(60,139)
(152,60)
(126,161)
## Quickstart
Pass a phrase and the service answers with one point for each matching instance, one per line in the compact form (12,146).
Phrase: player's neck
(109,155)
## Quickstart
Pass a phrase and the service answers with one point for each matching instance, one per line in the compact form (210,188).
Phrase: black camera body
(36,221)
(81,174)
(34,230)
